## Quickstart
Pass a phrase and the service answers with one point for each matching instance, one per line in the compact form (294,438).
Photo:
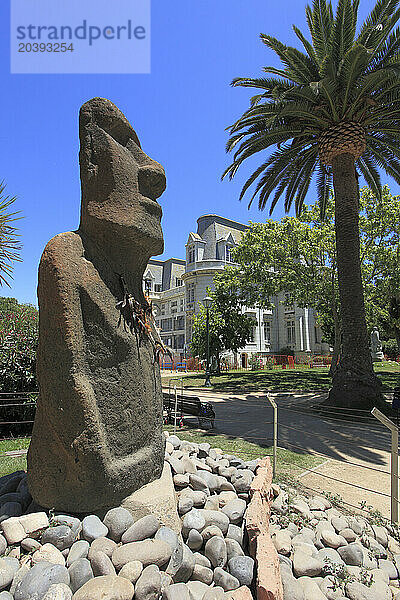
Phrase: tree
(332,110)
(9,241)
(229,328)
(297,255)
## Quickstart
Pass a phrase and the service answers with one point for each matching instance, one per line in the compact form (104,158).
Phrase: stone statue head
(120,184)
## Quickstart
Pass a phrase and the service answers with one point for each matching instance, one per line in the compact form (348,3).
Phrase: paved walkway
(361,442)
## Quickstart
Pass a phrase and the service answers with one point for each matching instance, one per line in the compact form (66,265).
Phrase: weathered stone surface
(48,553)
(61,537)
(109,587)
(98,426)
(176,591)
(80,572)
(131,571)
(141,530)
(58,591)
(102,565)
(157,498)
(78,550)
(8,568)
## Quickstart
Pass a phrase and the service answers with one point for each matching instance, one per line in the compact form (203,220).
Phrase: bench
(188,405)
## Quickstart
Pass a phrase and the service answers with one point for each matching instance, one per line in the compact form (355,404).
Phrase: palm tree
(332,111)
(9,240)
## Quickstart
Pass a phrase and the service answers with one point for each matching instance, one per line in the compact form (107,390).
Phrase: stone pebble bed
(328,555)
(61,557)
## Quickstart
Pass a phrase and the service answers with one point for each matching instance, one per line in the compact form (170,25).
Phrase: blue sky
(180,112)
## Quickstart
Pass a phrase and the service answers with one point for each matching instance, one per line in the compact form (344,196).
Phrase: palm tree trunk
(337,342)
(354,384)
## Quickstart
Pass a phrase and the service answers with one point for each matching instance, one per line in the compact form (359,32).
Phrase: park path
(356,452)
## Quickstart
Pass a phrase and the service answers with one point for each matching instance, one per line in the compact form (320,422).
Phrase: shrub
(391,349)
(18,344)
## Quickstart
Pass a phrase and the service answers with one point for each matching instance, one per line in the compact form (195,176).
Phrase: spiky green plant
(10,244)
(332,111)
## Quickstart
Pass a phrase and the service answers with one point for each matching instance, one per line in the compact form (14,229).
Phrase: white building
(177,287)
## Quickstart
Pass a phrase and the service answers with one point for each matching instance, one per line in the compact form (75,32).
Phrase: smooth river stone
(117,521)
(144,528)
(108,587)
(147,552)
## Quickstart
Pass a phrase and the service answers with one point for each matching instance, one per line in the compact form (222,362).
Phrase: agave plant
(332,111)
(10,245)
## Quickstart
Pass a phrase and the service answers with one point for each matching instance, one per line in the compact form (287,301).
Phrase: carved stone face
(120,183)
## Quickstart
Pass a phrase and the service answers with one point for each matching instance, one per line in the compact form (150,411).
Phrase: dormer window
(147,286)
(228,254)
(191,254)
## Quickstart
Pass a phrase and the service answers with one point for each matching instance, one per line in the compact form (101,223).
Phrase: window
(267,332)
(291,332)
(147,285)
(190,292)
(228,254)
(253,329)
(182,304)
(166,324)
(158,287)
(179,323)
(191,254)
(178,282)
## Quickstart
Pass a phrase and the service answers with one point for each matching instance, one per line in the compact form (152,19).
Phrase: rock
(304,565)
(147,552)
(10,509)
(215,593)
(182,568)
(38,580)
(101,564)
(348,534)
(108,587)
(339,523)
(58,591)
(194,519)
(212,481)
(214,517)
(352,554)
(319,503)
(6,596)
(174,440)
(102,544)
(117,520)
(233,548)
(234,510)
(144,528)
(292,589)
(13,530)
(131,571)
(80,572)
(93,528)
(242,568)
(3,544)
(185,504)
(79,334)
(8,568)
(78,550)
(194,540)
(201,573)
(200,559)
(311,589)
(199,484)
(225,580)
(188,465)
(388,567)
(333,540)
(61,537)
(19,575)
(235,533)
(282,542)
(358,591)
(48,553)
(215,551)
(148,586)
(29,545)
(328,555)
(204,449)
(242,480)
(72,522)
(381,535)
(166,534)
(197,589)
(176,591)
(212,503)
(328,587)
(393,545)
(211,531)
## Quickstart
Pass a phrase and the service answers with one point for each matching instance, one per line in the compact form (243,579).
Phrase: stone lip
(262,549)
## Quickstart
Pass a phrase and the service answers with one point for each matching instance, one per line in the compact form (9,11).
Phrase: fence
(249,363)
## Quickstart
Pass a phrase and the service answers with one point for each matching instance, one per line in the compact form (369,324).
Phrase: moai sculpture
(97,435)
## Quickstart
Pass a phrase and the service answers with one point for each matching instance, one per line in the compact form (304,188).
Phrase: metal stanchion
(275,409)
(394,488)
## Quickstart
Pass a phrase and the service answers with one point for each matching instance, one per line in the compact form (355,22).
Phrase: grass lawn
(9,464)
(283,380)
(229,444)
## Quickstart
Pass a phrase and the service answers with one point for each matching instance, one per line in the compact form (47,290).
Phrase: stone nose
(152,181)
